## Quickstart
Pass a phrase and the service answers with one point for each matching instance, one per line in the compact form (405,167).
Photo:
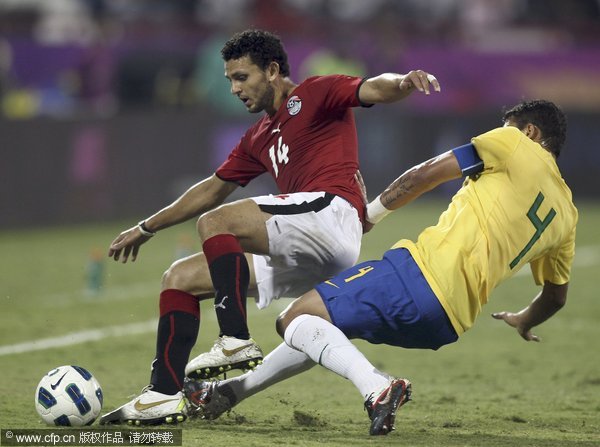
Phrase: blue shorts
(388,301)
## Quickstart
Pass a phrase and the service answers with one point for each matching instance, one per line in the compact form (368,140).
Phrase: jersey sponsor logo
(277,129)
(294,105)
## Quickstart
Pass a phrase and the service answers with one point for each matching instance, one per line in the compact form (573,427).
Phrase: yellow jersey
(518,210)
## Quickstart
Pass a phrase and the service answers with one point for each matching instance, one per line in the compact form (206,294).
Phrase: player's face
(250,84)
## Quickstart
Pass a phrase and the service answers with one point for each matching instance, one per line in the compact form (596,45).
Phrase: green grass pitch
(489,389)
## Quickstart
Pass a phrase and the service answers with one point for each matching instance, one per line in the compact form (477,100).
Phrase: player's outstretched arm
(201,197)
(392,87)
(549,301)
(414,182)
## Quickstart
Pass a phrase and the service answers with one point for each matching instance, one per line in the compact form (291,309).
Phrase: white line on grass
(80,337)
(586,256)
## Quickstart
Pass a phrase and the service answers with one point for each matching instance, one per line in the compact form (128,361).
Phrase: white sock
(328,346)
(280,364)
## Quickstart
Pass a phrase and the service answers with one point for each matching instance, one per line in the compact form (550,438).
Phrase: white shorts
(306,246)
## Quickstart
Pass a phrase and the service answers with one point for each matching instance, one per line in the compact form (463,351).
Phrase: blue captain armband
(468,160)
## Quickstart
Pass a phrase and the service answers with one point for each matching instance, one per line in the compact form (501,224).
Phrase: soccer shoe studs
(149,408)
(382,410)
(204,399)
(228,353)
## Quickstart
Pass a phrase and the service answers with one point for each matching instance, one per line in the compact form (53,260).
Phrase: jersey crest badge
(294,105)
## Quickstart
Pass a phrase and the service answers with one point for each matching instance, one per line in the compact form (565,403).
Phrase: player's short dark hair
(262,47)
(547,116)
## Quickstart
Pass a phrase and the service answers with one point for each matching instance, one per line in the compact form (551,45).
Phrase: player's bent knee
(295,309)
(204,224)
(174,278)
(167,280)
(281,324)
(285,317)
(214,222)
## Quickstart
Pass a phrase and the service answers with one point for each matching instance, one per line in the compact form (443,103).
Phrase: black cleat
(382,411)
(205,400)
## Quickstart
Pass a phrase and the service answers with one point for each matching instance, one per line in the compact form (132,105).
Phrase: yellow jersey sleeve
(496,146)
(555,266)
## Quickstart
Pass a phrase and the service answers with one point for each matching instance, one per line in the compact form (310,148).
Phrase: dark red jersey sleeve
(337,91)
(240,167)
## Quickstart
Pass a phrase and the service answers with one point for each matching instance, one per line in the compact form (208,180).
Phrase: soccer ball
(68,395)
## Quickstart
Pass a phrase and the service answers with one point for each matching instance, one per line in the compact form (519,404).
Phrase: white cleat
(227,353)
(149,408)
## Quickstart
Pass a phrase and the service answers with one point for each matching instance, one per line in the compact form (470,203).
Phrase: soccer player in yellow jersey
(513,209)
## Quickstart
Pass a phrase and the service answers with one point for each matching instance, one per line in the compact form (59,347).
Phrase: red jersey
(309,145)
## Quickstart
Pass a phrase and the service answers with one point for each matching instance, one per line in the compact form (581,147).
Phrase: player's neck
(283,89)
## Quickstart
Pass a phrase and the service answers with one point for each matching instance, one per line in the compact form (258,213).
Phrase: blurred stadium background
(111,108)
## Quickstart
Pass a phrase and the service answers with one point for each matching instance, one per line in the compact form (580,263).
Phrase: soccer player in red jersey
(270,246)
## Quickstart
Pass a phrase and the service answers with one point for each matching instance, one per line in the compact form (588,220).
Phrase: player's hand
(368,226)
(420,80)
(362,187)
(515,320)
(127,244)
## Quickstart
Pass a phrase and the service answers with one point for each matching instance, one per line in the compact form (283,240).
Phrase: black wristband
(144,229)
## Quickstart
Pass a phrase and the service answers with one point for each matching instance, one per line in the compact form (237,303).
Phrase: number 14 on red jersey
(280,157)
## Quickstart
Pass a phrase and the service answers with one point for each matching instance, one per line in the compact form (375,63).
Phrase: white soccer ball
(68,395)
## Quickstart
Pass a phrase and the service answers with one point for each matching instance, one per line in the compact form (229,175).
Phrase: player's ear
(533,132)
(273,71)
